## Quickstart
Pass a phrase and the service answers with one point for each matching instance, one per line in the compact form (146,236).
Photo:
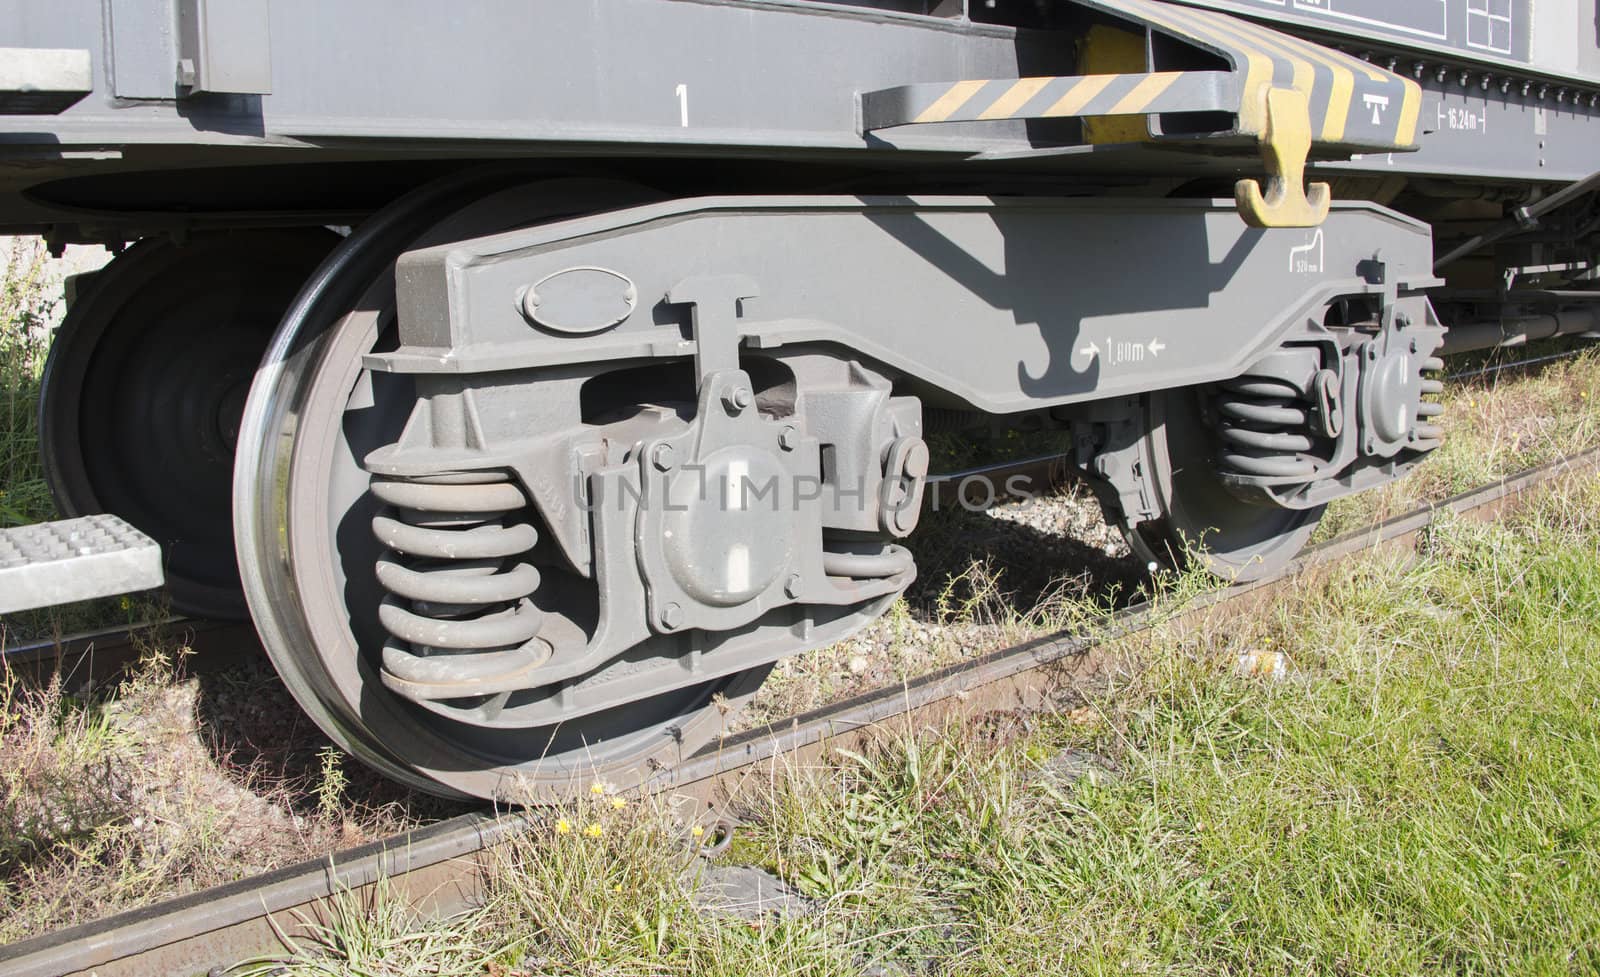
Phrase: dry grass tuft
(144,792)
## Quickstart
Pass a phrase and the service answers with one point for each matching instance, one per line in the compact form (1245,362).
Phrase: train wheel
(145,384)
(1201,520)
(304,514)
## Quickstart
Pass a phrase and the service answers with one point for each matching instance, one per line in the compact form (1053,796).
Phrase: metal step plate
(52,563)
(35,81)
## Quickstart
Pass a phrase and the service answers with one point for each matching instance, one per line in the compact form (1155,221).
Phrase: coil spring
(1265,429)
(460,619)
(1429,433)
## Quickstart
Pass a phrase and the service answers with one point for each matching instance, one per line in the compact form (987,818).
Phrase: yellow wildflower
(697,831)
(563,827)
(594,831)
(618,803)
(597,788)
(617,887)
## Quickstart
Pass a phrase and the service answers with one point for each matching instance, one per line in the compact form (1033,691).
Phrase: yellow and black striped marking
(1054,97)
(1350,103)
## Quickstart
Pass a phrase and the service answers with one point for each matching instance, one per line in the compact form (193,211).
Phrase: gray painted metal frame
(1490,31)
(1004,303)
(777,79)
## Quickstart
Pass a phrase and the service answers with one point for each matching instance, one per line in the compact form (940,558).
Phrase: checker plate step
(51,563)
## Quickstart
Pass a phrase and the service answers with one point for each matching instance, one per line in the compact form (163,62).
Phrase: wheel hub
(724,541)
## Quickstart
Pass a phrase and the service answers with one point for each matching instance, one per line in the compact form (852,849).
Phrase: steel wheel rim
(291,446)
(1236,540)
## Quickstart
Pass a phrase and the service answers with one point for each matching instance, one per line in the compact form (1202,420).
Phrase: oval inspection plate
(580,300)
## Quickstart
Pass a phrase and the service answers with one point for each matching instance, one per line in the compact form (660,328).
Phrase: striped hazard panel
(1351,104)
(1281,93)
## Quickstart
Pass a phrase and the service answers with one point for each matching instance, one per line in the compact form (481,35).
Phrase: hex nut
(789,437)
(736,399)
(672,617)
(792,586)
(664,457)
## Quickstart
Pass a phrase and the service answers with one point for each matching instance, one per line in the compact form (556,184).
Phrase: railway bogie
(599,375)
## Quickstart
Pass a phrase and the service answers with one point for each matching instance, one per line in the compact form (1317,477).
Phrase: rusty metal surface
(89,660)
(438,867)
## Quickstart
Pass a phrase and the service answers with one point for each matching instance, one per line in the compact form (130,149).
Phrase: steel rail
(439,868)
(1494,368)
(90,659)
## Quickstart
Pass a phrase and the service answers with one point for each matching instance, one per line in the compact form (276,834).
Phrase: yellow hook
(1285,141)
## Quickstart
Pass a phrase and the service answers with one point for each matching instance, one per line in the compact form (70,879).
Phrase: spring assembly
(1265,428)
(1429,433)
(458,607)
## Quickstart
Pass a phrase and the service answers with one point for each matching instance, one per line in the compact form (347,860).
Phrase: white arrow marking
(1155,346)
(1090,351)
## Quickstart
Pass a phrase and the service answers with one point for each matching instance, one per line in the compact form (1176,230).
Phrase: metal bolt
(663,457)
(671,617)
(789,437)
(792,586)
(1402,320)
(1466,79)
(736,399)
(1415,346)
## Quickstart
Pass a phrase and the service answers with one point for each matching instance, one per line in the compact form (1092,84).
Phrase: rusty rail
(438,868)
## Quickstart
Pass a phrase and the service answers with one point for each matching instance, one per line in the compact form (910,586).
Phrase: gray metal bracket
(713,302)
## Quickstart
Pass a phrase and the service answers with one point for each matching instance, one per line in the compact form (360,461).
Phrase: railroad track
(438,868)
(89,660)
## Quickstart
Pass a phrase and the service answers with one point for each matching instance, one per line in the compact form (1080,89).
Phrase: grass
(157,786)
(27,303)
(1418,793)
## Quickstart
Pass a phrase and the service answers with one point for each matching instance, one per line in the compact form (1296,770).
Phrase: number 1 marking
(683,105)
